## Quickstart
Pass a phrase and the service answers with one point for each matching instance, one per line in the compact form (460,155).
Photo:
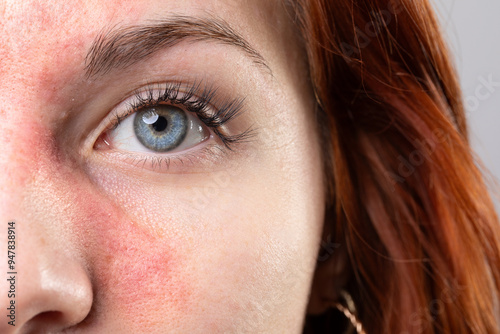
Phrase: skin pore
(212,240)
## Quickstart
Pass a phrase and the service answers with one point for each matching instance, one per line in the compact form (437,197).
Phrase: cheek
(226,254)
(136,273)
(134,270)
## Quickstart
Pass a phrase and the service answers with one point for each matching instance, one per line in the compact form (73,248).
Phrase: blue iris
(161,128)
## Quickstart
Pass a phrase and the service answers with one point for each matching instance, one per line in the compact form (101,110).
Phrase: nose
(52,290)
(45,286)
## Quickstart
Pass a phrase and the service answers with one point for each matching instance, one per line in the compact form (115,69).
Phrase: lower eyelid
(201,158)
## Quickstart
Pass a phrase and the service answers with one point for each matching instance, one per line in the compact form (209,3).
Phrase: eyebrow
(122,47)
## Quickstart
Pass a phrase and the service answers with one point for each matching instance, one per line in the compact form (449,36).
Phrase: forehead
(36,16)
(36,35)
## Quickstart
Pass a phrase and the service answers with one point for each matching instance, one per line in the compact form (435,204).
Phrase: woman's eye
(158,129)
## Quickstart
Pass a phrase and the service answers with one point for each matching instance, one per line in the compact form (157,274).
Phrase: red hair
(409,202)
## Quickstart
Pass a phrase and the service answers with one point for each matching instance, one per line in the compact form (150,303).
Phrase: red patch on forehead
(44,43)
(62,73)
(52,16)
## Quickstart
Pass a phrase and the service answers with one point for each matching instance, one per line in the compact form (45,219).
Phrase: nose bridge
(30,79)
(37,184)
(25,143)
(33,181)
(19,156)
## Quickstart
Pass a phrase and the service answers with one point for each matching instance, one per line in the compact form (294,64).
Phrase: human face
(197,237)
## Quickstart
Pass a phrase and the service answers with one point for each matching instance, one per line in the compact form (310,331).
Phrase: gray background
(472,28)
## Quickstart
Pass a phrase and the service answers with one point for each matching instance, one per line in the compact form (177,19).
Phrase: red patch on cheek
(135,272)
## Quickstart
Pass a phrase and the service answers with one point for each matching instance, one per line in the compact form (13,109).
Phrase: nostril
(49,316)
(50,321)
(38,323)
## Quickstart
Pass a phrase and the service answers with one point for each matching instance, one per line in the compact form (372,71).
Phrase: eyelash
(202,105)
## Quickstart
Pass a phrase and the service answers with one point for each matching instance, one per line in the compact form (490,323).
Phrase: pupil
(160,124)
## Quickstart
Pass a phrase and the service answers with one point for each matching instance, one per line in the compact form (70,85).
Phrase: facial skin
(218,241)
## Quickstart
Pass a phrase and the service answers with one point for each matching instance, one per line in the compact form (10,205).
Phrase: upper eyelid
(145,96)
(177,94)
(133,99)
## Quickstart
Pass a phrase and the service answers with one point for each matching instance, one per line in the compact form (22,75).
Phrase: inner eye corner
(102,142)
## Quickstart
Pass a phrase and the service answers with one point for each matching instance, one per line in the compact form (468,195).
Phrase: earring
(350,313)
